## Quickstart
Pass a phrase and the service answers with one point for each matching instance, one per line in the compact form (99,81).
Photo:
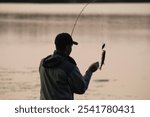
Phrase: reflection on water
(125,75)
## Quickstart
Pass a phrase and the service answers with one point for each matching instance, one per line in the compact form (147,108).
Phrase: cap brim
(75,43)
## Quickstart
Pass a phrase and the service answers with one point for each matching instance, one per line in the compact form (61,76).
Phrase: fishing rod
(80,15)
(76,21)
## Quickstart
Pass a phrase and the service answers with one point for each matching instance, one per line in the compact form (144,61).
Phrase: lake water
(25,38)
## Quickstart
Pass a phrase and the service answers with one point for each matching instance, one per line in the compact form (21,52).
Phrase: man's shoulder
(67,66)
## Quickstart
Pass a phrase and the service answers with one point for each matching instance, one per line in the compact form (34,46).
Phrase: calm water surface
(26,39)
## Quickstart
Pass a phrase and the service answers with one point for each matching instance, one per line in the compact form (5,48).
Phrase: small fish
(102,59)
(103,46)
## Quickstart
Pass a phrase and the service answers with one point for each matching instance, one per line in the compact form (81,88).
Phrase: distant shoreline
(74,9)
(49,16)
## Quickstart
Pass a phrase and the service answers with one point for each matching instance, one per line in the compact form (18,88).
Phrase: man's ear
(68,49)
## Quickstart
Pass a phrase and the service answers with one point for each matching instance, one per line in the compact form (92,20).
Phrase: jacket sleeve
(79,83)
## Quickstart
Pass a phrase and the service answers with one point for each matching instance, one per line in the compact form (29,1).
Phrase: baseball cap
(64,39)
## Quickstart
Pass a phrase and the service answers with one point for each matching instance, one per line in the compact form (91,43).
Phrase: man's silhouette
(59,74)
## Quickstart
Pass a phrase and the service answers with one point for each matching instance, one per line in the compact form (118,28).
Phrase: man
(59,74)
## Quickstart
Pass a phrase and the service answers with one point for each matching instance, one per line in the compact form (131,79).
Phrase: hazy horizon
(98,8)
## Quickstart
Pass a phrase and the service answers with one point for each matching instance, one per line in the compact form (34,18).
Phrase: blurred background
(72,1)
(28,30)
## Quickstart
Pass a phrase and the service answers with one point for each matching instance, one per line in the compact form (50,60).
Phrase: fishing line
(103,46)
(80,15)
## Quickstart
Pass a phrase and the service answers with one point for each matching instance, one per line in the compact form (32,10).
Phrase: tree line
(71,1)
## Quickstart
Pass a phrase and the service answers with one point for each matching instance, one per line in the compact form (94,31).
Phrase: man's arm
(79,83)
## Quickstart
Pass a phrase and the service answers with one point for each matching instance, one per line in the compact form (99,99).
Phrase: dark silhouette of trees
(70,1)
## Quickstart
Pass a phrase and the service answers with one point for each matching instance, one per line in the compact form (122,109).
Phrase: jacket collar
(69,58)
(57,52)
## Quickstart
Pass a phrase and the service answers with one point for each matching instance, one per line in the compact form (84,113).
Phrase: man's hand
(93,67)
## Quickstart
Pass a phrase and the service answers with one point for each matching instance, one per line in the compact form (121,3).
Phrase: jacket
(60,78)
